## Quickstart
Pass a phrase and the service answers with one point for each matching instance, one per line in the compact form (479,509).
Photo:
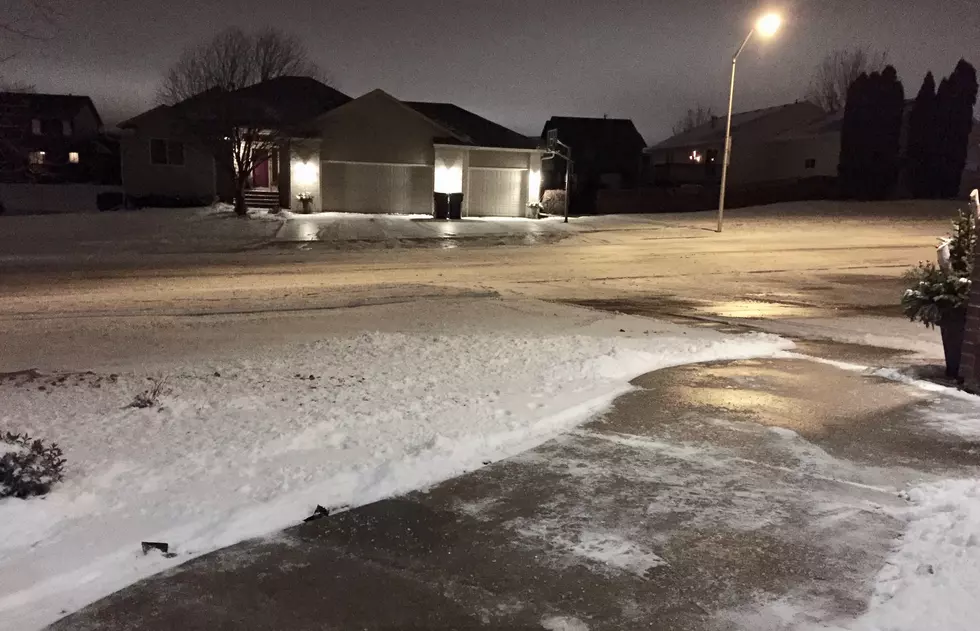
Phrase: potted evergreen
(938,293)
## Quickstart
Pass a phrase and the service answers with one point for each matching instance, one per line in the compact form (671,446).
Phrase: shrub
(553,201)
(936,290)
(28,467)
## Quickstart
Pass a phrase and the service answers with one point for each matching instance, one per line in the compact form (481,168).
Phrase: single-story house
(372,154)
(760,151)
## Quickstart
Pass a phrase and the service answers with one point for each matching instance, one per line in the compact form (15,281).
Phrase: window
(36,126)
(66,128)
(36,157)
(175,153)
(811,163)
(73,157)
(169,152)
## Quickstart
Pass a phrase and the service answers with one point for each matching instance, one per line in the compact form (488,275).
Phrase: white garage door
(497,192)
(377,188)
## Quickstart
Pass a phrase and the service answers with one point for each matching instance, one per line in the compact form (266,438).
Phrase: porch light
(305,174)
(449,179)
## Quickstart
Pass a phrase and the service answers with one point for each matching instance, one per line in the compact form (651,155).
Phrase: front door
(260,175)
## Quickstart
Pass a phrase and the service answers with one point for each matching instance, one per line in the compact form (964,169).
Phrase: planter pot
(953,328)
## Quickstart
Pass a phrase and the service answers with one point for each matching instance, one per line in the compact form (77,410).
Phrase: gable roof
(599,133)
(471,129)
(713,132)
(283,101)
(290,100)
(53,106)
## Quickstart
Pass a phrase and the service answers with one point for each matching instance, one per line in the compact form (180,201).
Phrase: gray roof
(471,129)
(713,132)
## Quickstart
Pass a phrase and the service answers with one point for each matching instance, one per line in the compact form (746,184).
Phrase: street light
(766,26)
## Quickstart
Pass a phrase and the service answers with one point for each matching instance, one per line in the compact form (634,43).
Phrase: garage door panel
(497,192)
(377,188)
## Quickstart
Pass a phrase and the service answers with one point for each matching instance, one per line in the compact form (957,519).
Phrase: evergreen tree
(922,140)
(889,113)
(955,101)
(870,135)
(852,137)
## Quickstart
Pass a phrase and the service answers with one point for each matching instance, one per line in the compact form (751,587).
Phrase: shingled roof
(53,106)
(279,102)
(471,129)
(792,115)
(599,134)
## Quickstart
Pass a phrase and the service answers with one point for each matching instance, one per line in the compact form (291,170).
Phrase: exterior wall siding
(194,179)
(376,129)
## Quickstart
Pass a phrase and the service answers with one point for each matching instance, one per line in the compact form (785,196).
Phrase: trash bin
(441,205)
(455,205)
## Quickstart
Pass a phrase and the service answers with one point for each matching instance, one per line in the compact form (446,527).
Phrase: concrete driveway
(352,230)
(741,495)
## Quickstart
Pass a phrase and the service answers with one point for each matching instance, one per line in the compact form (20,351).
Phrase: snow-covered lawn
(244,447)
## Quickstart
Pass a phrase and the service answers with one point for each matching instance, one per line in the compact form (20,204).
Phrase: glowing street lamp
(767,26)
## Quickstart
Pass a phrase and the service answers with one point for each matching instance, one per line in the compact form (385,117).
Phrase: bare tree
(233,60)
(206,85)
(838,70)
(695,117)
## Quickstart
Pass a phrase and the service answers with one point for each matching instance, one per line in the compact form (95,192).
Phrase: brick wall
(970,363)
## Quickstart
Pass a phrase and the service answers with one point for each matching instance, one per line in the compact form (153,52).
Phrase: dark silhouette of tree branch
(834,75)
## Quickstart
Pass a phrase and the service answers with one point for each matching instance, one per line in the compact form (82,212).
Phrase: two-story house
(53,138)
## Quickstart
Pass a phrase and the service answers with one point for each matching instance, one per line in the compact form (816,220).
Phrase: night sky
(515,61)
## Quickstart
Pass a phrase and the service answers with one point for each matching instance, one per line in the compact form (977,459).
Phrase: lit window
(36,157)
(811,163)
(696,157)
(66,128)
(36,126)
(73,157)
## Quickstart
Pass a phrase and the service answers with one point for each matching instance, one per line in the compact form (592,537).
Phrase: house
(372,154)
(53,139)
(781,143)
(607,154)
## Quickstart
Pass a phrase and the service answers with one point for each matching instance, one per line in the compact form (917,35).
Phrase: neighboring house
(53,139)
(373,154)
(774,144)
(607,154)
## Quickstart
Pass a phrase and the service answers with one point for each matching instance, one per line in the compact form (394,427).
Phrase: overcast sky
(515,61)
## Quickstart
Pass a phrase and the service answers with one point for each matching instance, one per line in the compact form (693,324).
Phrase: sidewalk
(736,495)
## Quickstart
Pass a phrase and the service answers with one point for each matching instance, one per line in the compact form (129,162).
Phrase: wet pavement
(353,232)
(700,497)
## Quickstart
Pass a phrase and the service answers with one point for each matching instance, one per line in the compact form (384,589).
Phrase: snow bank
(932,581)
(241,449)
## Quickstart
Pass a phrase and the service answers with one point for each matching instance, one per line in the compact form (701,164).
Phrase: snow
(965,424)
(245,446)
(563,623)
(931,581)
(883,332)
(613,550)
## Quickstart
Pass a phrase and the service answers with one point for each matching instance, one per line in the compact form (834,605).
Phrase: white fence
(20,199)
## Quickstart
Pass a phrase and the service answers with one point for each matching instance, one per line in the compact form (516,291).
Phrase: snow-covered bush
(28,467)
(553,202)
(937,289)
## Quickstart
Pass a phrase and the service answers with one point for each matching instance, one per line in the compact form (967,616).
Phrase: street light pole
(728,134)
(765,27)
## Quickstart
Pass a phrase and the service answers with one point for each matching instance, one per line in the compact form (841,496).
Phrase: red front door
(260,175)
